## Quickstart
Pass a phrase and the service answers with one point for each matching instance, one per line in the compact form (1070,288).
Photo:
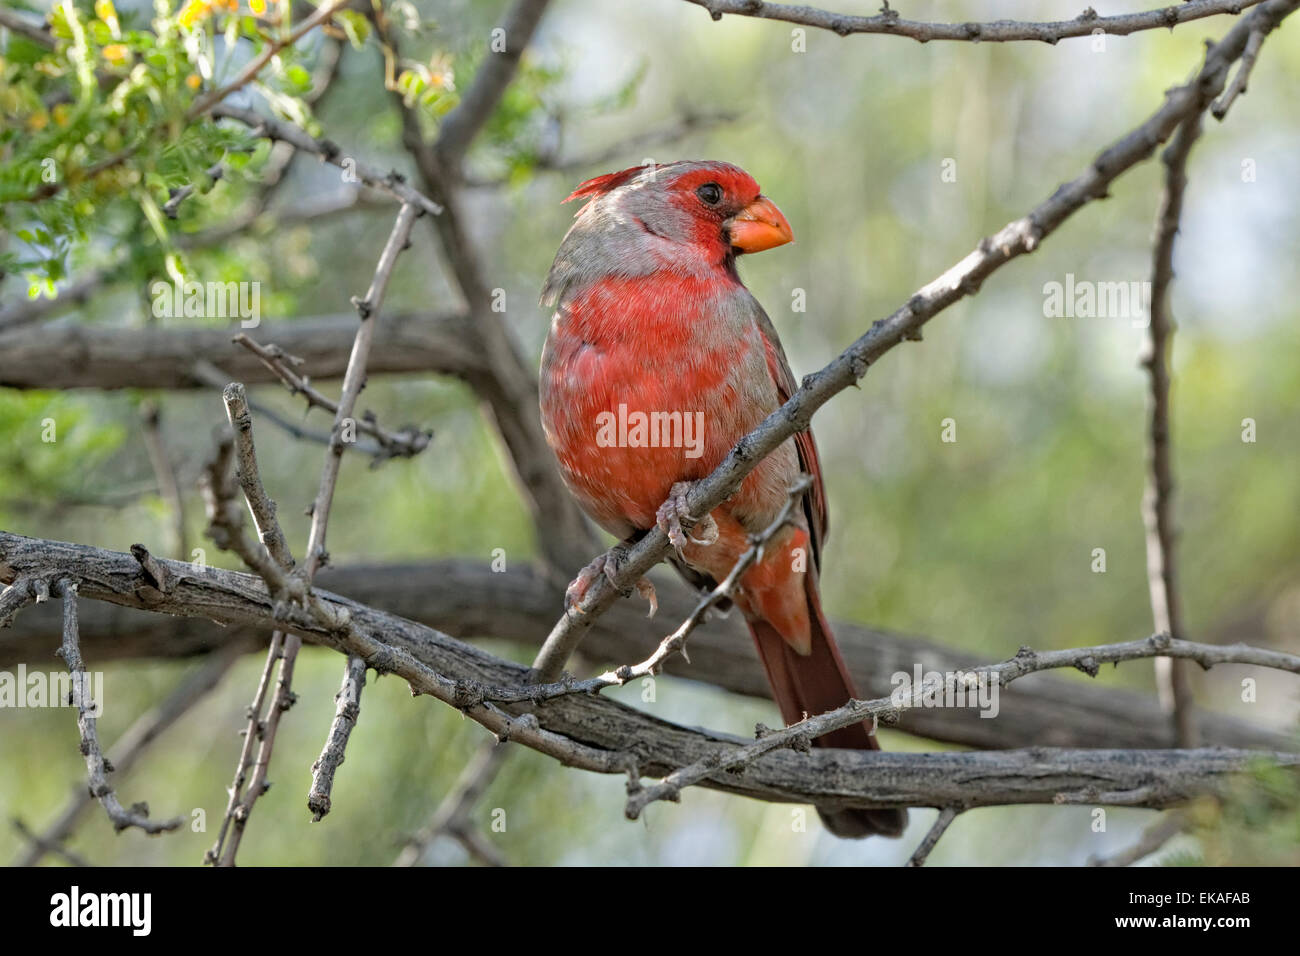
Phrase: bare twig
(353,381)
(39,846)
(347,709)
(1172,678)
(1153,838)
(226,529)
(368,308)
(260,504)
(889,22)
(297,586)
(452,815)
(940,827)
(284,698)
(406,443)
(97,768)
(1239,80)
(226,521)
(209,374)
(675,643)
(133,744)
(392,182)
(252,733)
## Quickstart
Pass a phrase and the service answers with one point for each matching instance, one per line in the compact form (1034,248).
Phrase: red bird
(658,361)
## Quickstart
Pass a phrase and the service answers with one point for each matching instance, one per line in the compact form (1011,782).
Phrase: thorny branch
(97,767)
(298,585)
(603,736)
(406,443)
(347,710)
(890,23)
(132,745)
(392,182)
(1027,661)
(226,529)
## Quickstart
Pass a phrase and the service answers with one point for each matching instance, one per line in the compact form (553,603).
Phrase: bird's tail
(813,684)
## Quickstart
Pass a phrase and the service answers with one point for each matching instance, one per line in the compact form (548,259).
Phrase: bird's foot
(609,565)
(679,524)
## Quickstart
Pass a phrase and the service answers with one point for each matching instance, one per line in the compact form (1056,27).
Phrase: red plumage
(651,317)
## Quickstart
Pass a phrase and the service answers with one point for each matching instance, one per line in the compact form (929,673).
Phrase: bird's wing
(778,367)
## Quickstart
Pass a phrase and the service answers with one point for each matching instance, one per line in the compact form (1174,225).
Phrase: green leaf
(356,26)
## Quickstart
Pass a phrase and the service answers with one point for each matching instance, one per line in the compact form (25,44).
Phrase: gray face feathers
(640,220)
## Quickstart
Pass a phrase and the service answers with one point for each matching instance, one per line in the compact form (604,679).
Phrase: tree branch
(97,768)
(392,182)
(404,444)
(937,830)
(470,600)
(459,127)
(107,357)
(347,710)
(890,23)
(604,736)
(134,743)
(1027,661)
(1172,678)
(452,815)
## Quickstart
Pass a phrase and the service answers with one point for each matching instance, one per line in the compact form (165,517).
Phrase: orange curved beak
(759,226)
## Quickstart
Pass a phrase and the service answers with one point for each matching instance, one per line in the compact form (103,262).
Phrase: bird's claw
(676,520)
(609,565)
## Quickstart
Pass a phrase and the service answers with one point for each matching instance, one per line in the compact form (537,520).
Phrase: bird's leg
(609,565)
(677,522)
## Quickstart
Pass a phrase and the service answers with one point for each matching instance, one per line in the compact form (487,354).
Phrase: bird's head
(713,208)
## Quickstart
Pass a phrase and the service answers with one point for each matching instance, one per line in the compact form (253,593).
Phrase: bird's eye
(710,194)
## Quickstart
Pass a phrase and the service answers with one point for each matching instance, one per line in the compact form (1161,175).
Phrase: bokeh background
(984,544)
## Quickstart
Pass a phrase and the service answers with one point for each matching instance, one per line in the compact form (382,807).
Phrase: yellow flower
(194,10)
(193,81)
(105,10)
(257,6)
(115,52)
(37,121)
(61,114)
